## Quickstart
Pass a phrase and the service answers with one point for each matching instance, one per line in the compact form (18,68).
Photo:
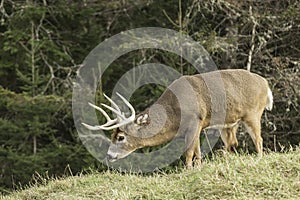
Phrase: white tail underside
(270,100)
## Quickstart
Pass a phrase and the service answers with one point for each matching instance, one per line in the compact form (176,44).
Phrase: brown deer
(185,112)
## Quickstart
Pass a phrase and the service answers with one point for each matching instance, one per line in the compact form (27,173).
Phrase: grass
(274,176)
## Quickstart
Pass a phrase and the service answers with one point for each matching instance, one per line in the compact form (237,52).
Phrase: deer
(246,94)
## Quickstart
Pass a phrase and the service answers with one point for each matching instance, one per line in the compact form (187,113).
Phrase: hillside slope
(276,175)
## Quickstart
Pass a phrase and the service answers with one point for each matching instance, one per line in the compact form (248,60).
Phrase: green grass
(274,176)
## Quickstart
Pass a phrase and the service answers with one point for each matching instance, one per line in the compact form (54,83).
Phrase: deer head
(125,138)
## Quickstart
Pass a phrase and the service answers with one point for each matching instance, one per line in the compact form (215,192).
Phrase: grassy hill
(275,176)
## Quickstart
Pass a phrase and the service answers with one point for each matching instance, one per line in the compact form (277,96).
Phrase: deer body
(174,114)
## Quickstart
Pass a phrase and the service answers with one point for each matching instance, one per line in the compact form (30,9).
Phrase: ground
(274,176)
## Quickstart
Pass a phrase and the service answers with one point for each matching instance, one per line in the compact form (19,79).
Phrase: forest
(43,44)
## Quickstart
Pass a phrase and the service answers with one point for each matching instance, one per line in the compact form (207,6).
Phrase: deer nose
(111,158)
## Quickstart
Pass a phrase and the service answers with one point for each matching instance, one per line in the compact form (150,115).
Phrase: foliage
(46,118)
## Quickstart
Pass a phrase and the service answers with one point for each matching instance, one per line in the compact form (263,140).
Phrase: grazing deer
(246,96)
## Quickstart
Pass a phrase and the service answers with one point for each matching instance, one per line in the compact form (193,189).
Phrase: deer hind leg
(228,136)
(253,127)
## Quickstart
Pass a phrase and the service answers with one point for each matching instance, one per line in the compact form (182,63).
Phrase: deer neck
(163,121)
(157,133)
(158,139)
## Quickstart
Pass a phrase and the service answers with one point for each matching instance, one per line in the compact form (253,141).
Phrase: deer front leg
(189,158)
(193,147)
(197,152)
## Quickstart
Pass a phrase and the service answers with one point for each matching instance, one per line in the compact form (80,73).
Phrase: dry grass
(275,176)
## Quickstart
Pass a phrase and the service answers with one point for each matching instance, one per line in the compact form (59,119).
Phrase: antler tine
(112,103)
(132,117)
(101,110)
(93,128)
(108,119)
(114,110)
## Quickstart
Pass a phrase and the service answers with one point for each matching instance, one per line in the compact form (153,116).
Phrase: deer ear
(143,119)
(122,128)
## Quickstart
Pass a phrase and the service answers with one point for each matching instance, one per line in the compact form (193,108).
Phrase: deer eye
(121,138)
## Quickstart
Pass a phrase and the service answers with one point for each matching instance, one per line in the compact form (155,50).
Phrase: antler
(121,119)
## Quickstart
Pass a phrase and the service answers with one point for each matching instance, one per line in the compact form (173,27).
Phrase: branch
(51,72)
(2,9)
(252,43)
(170,20)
